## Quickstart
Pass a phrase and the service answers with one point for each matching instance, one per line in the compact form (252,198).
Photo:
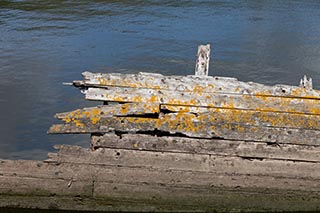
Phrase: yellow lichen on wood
(154,99)
(124,109)
(102,81)
(78,123)
(198,89)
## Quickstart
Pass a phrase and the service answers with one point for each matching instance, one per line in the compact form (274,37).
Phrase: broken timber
(179,143)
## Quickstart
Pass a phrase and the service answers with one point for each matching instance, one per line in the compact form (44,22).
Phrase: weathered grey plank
(189,162)
(198,98)
(270,185)
(116,157)
(207,84)
(211,147)
(73,174)
(48,170)
(193,126)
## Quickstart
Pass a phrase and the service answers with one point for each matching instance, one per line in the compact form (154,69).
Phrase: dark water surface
(44,43)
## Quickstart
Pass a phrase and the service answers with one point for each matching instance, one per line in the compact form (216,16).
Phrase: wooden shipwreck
(179,143)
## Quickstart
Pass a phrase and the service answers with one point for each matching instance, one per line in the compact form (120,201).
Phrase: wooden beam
(210,116)
(111,188)
(189,162)
(200,99)
(210,147)
(191,84)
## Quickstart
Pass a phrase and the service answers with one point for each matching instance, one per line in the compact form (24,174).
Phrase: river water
(44,43)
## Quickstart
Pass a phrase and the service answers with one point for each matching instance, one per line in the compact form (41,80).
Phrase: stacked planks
(198,143)
(196,107)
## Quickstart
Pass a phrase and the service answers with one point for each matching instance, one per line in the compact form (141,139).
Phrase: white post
(202,61)
(306,83)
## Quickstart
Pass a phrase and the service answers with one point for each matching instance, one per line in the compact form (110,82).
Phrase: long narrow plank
(112,110)
(193,126)
(73,174)
(211,116)
(211,147)
(120,188)
(95,114)
(130,158)
(230,101)
(206,84)
(189,162)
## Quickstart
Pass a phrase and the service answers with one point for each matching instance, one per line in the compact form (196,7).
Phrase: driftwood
(179,143)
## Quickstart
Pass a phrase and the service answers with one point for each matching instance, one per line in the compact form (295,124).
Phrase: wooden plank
(129,158)
(189,162)
(110,110)
(97,185)
(198,98)
(95,114)
(73,174)
(211,116)
(207,84)
(210,147)
(88,173)
(47,170)
(250,118)
(191,125)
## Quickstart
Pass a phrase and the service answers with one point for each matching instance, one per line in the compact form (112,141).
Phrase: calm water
(44,43)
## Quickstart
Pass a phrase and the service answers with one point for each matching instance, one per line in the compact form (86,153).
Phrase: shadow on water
(45,43)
